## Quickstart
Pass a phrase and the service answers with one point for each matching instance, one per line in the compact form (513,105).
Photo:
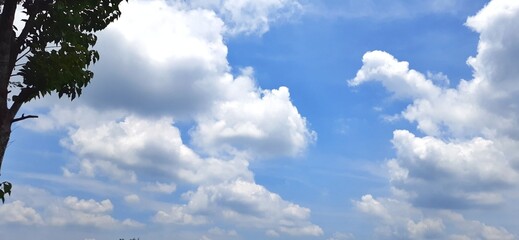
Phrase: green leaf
(7,188)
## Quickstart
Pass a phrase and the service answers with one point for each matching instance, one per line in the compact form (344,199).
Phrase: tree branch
(25,95)
(23,117)
(29,23)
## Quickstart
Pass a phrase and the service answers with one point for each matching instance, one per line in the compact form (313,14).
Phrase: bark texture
(8,53)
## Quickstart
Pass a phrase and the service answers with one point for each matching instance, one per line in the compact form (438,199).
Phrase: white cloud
(17,212)
(403,221)
(172,67)
(87,213)
(435,109)
(132,223)
(179,51)
(88,205)
(452,174)
(439,79)
(37,207)
(153,152)
(177,215)
(494,71)
(177,63)
(475,229)
(467,158)
(425,229)
(190,80)
(372,206)
(242,203)
(161,187)
(183,33)
(147,149)
(61,217)
(132,198)
(484,105)
(56,115)
(250,16)
(262,123)
(395,76)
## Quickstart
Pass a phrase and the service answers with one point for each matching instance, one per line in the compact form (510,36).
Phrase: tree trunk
(5,134)
(7,59)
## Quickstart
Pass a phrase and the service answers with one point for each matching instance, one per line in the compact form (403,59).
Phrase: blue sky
(280,119)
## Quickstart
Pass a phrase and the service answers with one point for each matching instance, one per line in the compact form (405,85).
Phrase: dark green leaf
(7,188)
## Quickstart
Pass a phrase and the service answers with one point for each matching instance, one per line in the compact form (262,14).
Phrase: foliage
(5,188)
(50,54)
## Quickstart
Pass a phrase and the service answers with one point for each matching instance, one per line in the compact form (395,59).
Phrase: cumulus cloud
(395,76)
(168,68)
(372,206)
(450,175)
(403,221)
(262,123)
(54,211)
(467,158)
(469,170)
(88,213)
(17,212)
(484,105)
(88,205)
(149,149)
(426,228)
(177,215)
(177,63)
(433,108)
(494,71)
(243,203)
(82,212)
(187,78)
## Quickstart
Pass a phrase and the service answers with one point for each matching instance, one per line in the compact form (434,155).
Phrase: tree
(50,54)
